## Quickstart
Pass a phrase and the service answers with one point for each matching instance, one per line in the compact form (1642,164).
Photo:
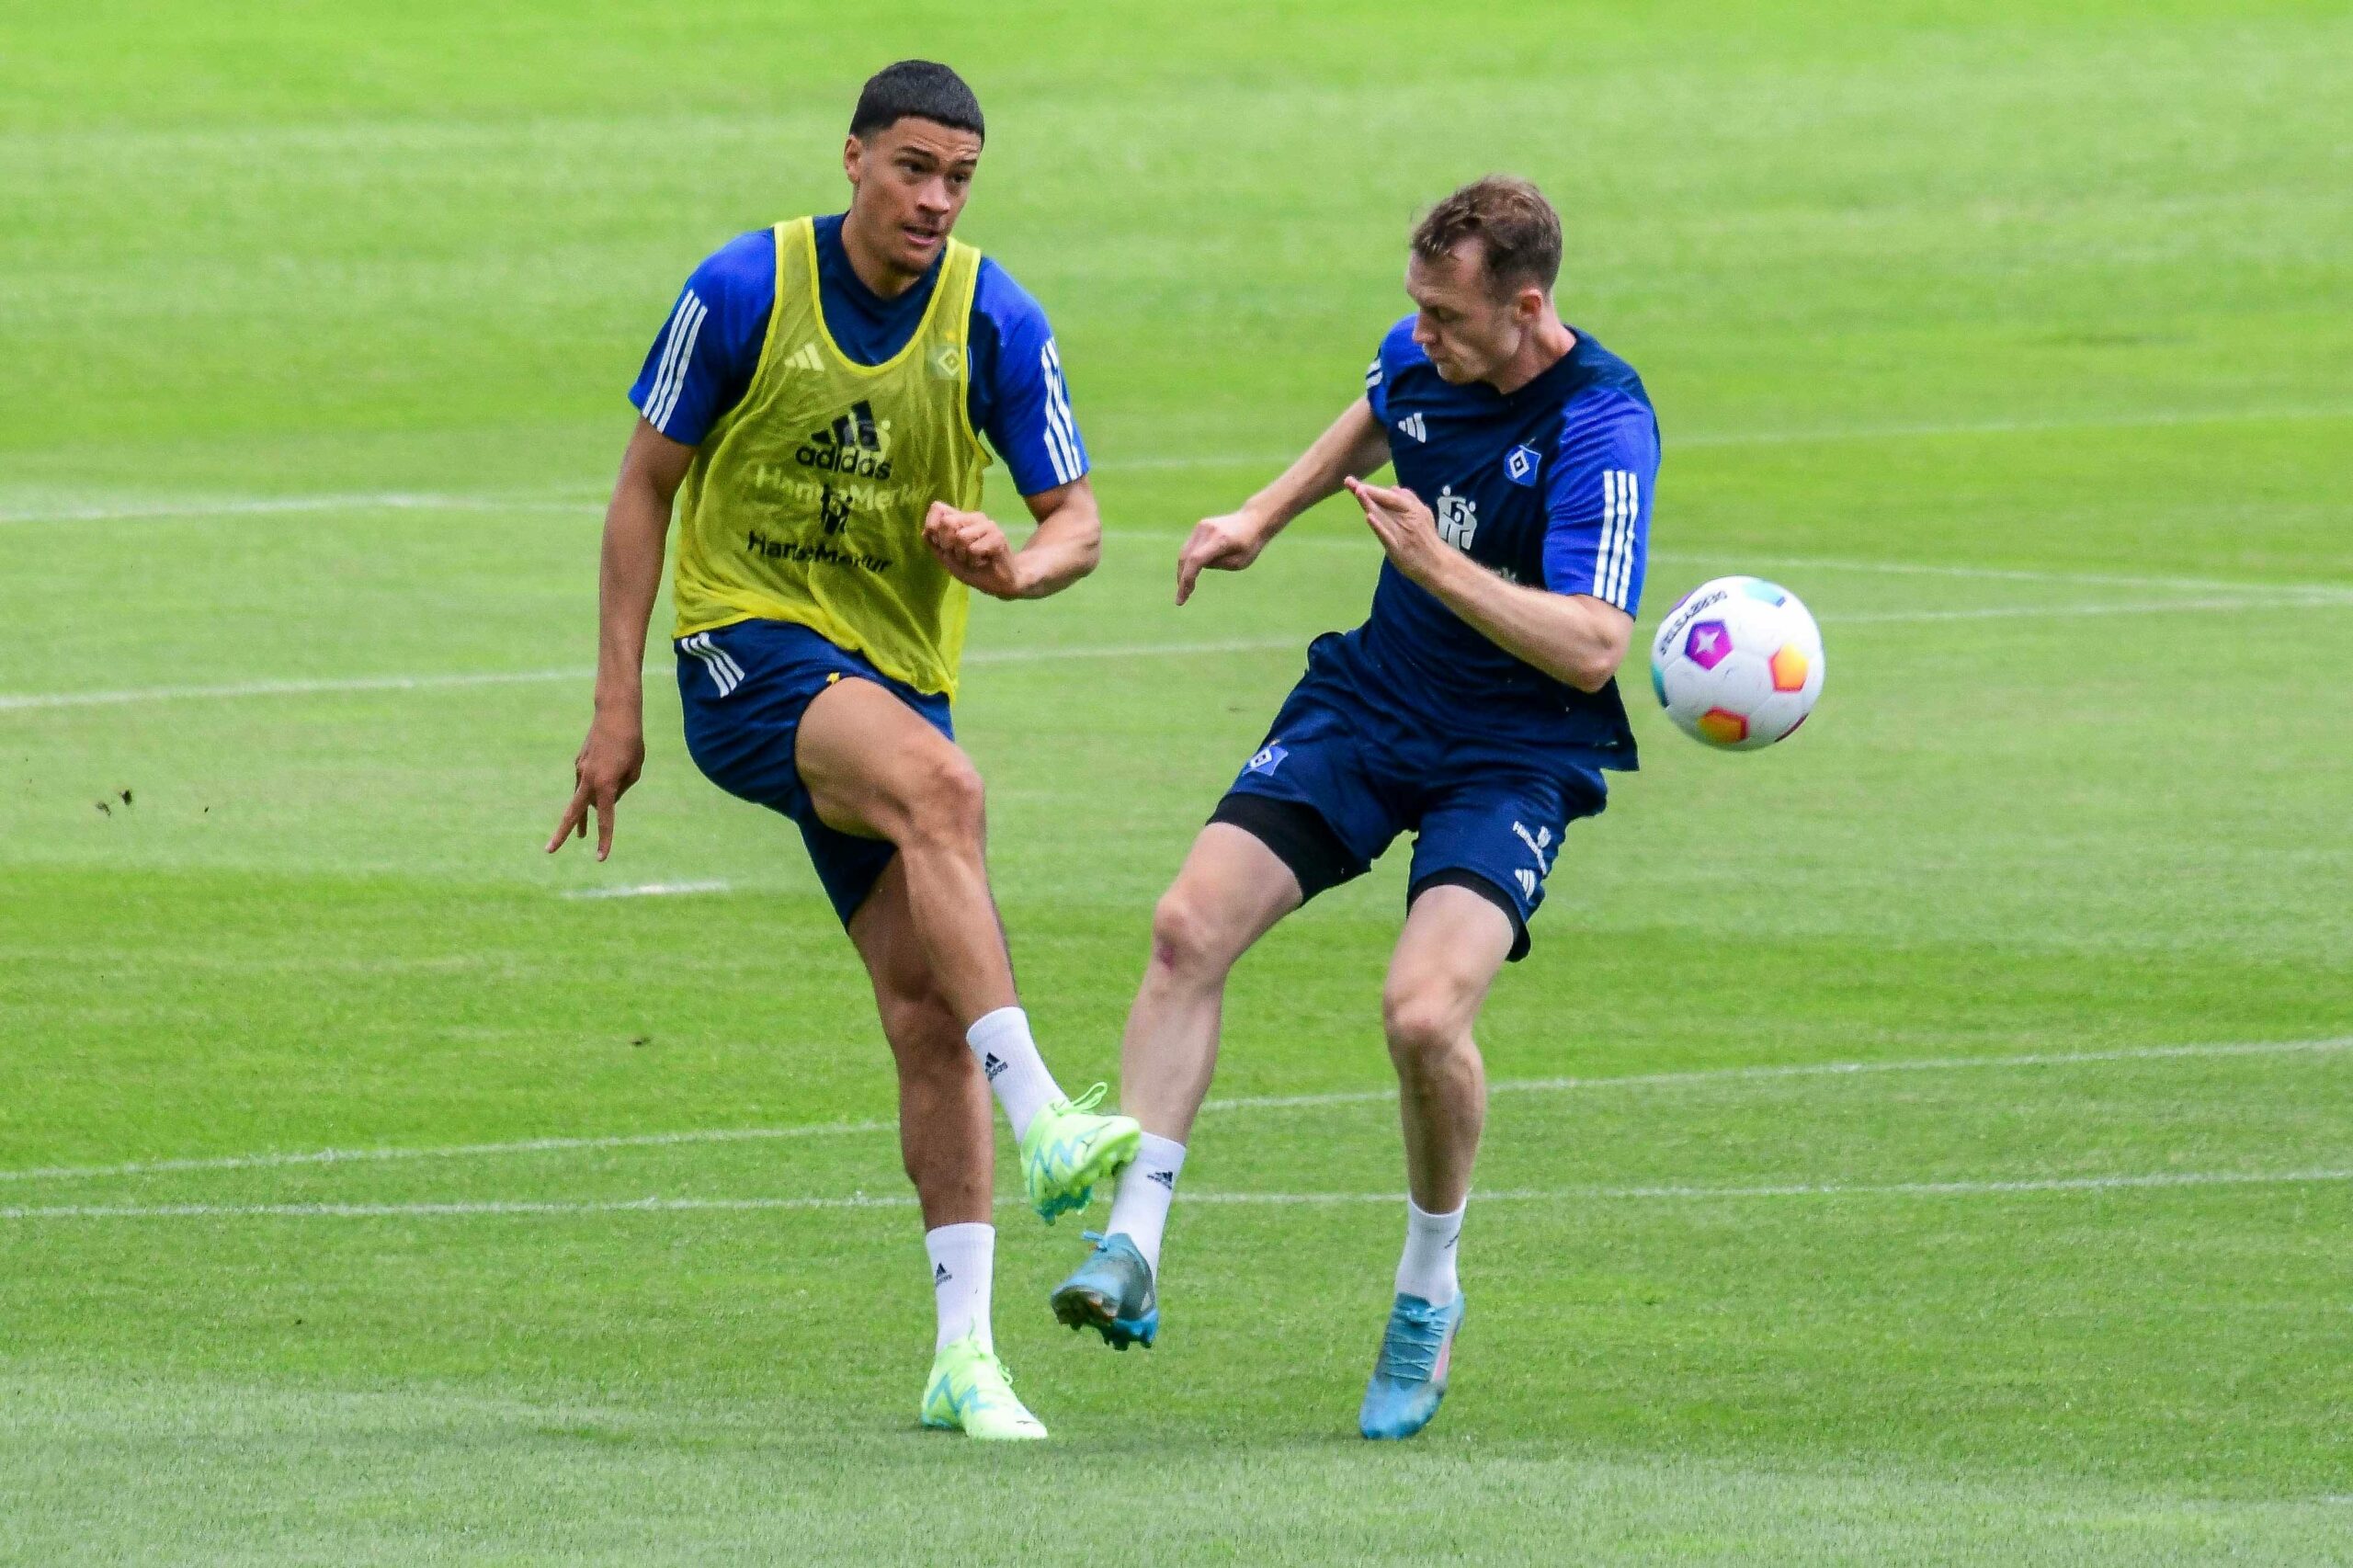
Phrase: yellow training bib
(805,502)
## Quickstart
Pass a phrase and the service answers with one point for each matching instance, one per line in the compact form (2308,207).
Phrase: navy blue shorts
(1483,817)
(745,687)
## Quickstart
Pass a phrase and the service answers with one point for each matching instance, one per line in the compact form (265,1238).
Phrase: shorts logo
(1519,465)
(1526,882)
(1539,843)
(1268,760)
(726,675)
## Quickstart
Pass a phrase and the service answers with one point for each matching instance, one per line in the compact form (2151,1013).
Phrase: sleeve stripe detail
(1062,430)
(671,375)
(1630,508)
(669,355)
(1613,532)
(1057,453)
(669,403)
(686,358)
(1613,553)
(1060,390)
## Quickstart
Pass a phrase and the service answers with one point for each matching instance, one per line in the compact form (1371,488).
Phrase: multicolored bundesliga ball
(1737,663)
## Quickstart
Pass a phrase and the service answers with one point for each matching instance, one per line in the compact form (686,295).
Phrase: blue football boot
(1111,1293)
(1409,1379)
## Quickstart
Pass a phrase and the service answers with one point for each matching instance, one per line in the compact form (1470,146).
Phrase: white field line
(1144,650)
(1366,546)
(2161,420)
(407,501)
(2314,596)
(404,501)
(20,701)
(17,702)
(2306,600)
(1812,1069)
(1243,1102)
(647,890)
(1996,1187)
(166,507)
(2007,574)
(1830,433)
(233,506)
(448,1150)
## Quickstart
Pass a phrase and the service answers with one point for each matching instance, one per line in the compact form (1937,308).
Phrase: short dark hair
(1519,233)
(923,89)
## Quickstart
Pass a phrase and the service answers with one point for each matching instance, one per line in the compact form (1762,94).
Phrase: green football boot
(1068,1149)
(971,1391)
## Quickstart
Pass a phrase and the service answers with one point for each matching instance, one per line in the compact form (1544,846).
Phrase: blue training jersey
(701,363)
(1550,486)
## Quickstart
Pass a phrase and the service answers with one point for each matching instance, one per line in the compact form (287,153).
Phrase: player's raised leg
(1455,941)
(873,767)
(945,1143)
(1232,891)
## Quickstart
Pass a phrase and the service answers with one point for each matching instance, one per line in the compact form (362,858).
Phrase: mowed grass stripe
(1250,1102)
(2313,597)
(1995,1187)
(170,508)
(24,700)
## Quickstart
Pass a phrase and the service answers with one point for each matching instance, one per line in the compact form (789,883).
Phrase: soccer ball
(1737,663)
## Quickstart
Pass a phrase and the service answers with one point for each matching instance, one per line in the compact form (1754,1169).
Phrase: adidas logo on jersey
(853,444)
(1414,424)
(804,358)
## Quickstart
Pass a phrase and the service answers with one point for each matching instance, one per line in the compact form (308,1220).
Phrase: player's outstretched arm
(1066,546)
(1574,638)
(1354,447)
(637,521)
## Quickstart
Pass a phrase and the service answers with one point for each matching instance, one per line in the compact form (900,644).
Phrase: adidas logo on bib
(855,444)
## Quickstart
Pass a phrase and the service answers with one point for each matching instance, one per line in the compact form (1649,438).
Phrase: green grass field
(1930,1142)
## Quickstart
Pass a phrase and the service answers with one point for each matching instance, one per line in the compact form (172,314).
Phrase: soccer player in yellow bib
(814,407)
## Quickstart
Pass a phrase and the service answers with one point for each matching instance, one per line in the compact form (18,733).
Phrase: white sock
(1015,1070)
(963,1258)
(1428,1269)
(1140,1209)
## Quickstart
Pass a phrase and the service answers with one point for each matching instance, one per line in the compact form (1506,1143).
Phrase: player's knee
(1184,937)
(1425,1023)
(924,1036)
(947,801)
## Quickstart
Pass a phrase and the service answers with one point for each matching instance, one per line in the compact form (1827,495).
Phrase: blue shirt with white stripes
(1550,486)
(701,361)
